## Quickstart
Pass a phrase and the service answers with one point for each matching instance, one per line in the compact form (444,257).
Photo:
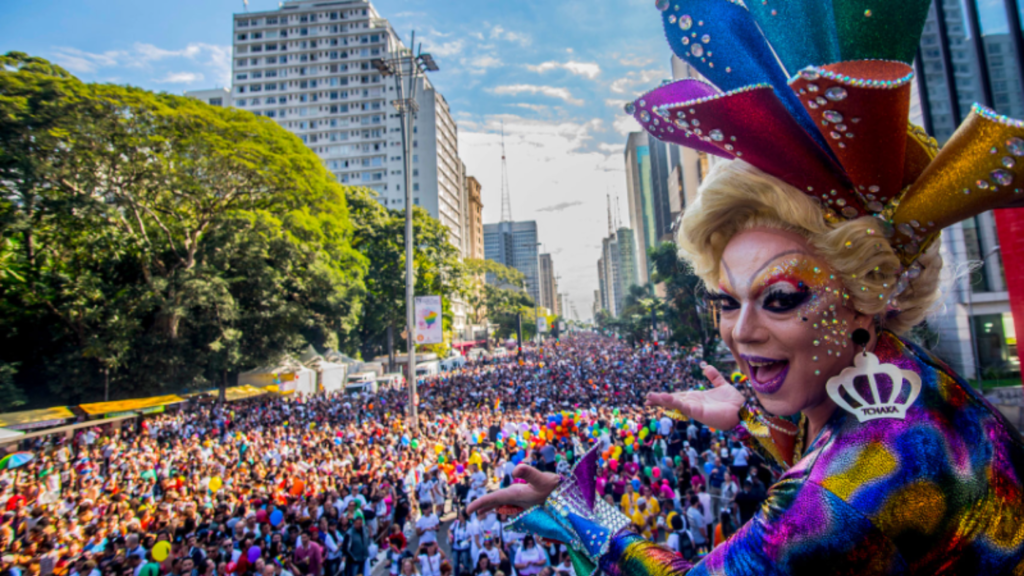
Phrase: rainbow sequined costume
(939,492)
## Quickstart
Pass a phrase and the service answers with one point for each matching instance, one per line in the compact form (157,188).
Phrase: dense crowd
(329,485)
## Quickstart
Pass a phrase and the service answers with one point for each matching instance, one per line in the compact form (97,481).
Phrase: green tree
(687,313)
(380,237)
(159,242)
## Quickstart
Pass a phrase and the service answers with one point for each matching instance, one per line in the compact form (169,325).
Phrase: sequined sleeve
(802,529)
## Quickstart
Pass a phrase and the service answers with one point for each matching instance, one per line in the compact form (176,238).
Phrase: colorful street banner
(428,320)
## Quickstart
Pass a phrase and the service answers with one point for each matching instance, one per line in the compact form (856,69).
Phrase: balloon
(656,472)
(405,440)
(161,551)
(215,483)
(276,517)
(297,488)
(231,567)
(415,444)
(635,482)
(629,448)
(254,554)
(500,444)
(261,516)
(647,471)
(337,441)
(679,460)
(438,448)
(460,469)
(643,433)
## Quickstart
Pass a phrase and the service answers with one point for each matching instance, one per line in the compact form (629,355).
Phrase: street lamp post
(403,66)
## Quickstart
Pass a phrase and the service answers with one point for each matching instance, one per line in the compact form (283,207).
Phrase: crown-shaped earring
(871,405)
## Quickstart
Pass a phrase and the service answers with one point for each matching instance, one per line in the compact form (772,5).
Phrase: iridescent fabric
(937,493)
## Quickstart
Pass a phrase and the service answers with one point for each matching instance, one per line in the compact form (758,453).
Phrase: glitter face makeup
(783,317)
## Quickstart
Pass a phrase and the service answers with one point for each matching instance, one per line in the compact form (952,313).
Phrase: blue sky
(555,72)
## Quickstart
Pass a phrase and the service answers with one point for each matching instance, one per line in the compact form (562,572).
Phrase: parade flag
(428,320)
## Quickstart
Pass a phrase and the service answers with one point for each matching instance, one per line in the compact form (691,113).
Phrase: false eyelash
(717,297)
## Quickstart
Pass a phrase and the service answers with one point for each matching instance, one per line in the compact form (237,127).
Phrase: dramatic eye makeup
(722,300)
(783,297)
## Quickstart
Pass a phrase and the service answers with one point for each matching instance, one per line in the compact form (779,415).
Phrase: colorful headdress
(817,93)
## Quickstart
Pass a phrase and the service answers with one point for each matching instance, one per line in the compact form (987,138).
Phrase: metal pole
(410,278)
(519,333)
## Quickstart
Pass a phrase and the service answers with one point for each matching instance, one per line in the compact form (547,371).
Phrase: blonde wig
(737,196)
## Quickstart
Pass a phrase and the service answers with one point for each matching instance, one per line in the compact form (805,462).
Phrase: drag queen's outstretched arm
(803,528)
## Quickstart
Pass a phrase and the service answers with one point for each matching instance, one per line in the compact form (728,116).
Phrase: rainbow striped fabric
(937,493)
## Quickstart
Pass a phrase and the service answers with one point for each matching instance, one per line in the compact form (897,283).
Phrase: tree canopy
(159,242)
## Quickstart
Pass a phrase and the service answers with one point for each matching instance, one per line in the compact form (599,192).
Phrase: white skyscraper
(309,66)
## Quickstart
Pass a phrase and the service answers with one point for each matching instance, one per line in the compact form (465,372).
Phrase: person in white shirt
(425,491)
(428,524)
(477,483)
(460,539)
(530,558)
(431,559)
(565,566)
(665,426)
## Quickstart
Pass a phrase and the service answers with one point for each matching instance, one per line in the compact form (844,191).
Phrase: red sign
(1010,225)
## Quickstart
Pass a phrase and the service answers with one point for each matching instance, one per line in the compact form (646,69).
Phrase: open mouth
(766,374)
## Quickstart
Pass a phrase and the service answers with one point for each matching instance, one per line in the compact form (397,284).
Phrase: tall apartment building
(514,244)
(474,219)
(963,59)
(308,65)
(548,284)
(213,96)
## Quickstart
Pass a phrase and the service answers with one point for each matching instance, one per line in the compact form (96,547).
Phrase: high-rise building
(628,264)
(213,96)
(474,228)
(617,269)
(548,284)
(514,244)
(967,57)
(308,65)
(640,197)
(601,294)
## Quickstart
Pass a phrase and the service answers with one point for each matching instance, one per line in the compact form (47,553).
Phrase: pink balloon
(656,472)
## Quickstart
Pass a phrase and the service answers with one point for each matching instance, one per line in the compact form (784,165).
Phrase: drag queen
(816,238)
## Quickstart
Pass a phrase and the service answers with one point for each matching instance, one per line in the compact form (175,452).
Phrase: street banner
(543,326)
(428,320)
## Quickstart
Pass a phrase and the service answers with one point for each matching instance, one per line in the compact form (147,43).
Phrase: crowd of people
(330,484)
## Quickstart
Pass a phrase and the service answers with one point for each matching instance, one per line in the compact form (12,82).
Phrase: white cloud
(616,103)
(82,62)
(480,64)
(587,69)
(551,164)
(180,78)
(552,91)
(639,81)
(624,124)
(498,32)
(534,107)
(611,148)
(215,59)
(445,49)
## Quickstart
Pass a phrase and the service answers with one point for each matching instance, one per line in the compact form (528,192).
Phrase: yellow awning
(99,408)
(243,392)
(277,390)
(36,418)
